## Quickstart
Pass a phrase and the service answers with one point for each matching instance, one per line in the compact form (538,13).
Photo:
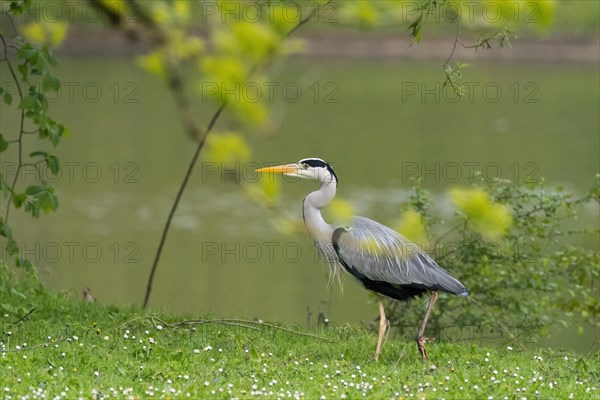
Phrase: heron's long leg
(420,339)
(383,327)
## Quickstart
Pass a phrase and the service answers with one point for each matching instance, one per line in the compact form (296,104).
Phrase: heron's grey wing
(388,263)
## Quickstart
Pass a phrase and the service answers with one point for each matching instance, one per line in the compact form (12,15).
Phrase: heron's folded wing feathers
(381,254)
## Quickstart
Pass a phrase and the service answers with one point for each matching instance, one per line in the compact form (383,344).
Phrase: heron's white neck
(318,229)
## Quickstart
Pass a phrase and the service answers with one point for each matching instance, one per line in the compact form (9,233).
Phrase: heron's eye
(304,165)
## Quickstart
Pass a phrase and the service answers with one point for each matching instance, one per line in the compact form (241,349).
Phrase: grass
(69,348)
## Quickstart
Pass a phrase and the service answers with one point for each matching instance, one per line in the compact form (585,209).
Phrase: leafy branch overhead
(30,72)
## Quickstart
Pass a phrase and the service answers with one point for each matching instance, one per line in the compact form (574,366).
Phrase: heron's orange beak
(280,169)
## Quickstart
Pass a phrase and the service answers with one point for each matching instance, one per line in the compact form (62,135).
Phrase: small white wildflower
(159,327)
(509,348)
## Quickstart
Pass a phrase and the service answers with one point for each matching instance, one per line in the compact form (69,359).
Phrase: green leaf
(4,188)
(51,129)
(5,230)
(29,102)
(11,246)
(53,164)
(17,7)
(3,144)
(34,190)
(50,82)
(29,53)
(24,71)
(22,262)
(38,153)
(47,201)
(6,96)
(49,57)
(56,133)
(415,28)
(33,208)
(18,199)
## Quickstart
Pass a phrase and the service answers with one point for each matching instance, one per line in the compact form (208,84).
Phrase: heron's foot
(421,344)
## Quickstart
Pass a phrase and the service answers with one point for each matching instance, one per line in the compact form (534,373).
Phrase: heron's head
(307,168)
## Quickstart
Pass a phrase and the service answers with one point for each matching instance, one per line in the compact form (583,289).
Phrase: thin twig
(501,325)
(254,325)
(305,20)
(456,41)
(21,129)
(24,316)
(28,348)
(45,344)
(182,187)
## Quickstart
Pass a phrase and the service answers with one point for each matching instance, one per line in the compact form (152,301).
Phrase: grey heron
(381,259)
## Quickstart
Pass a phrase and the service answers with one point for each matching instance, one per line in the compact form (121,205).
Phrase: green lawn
(66,347)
